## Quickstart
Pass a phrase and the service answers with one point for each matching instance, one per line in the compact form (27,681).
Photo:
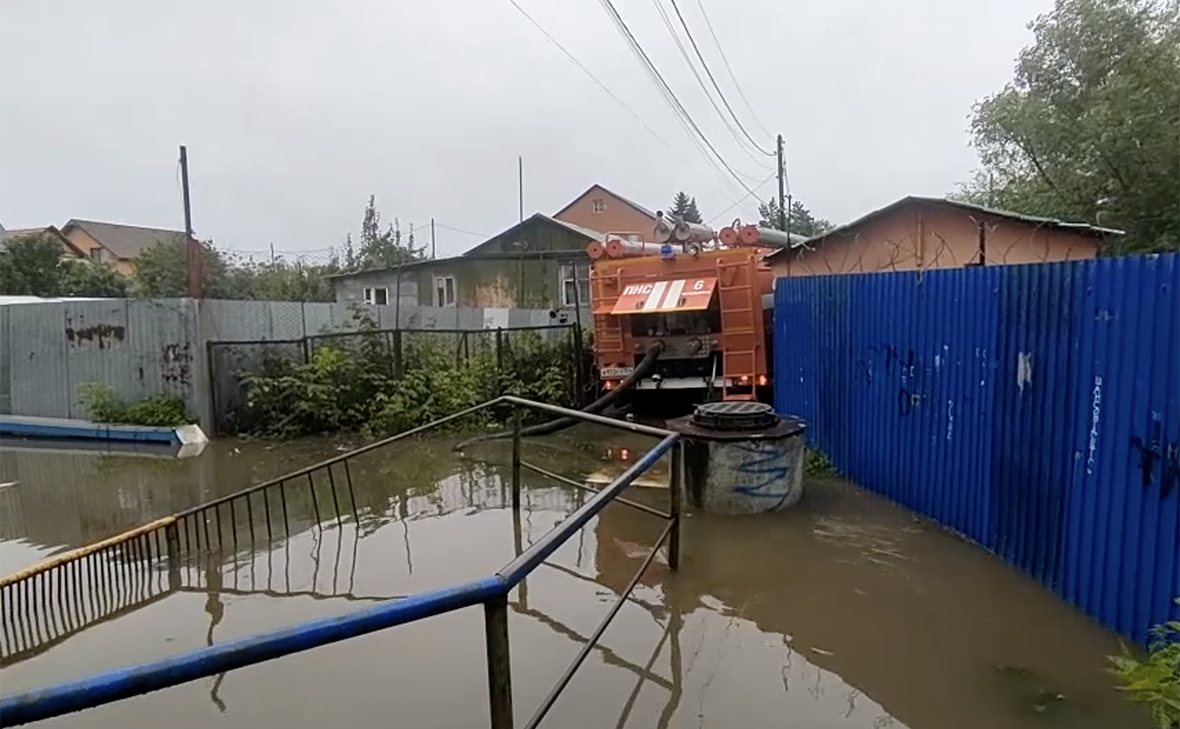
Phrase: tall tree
(381,249)
(800,219)
(685,208)
(1089,127)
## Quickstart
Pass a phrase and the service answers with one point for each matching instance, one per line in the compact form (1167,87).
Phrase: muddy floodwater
(848,612)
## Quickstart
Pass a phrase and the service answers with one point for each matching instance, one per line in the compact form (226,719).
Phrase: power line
(729,69)
(666,90)
(587,71)
(713,80)
(742,199)
(701,82)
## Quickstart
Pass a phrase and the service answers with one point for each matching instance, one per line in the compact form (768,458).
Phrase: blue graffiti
(767,468)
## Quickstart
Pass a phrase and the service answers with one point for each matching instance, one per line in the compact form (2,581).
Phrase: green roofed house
(540,263)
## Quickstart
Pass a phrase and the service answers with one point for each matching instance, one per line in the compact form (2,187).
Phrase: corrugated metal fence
(1035,409)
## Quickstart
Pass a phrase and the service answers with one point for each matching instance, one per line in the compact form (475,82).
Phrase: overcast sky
(294,111)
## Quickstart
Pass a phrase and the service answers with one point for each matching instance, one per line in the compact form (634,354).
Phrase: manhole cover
(740,415)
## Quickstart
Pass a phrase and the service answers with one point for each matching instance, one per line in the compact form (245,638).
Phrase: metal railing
(491,592)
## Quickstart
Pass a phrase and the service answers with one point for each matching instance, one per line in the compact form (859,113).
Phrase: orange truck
(709,305)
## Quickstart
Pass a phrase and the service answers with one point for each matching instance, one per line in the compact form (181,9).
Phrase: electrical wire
(709,73)
(729,69)
(666,90)
(587,71)
(742,143)
(740,200)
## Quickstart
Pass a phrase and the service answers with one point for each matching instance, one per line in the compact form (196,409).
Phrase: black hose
(645,366)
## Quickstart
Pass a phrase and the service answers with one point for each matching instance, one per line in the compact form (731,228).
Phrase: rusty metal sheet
(685,294)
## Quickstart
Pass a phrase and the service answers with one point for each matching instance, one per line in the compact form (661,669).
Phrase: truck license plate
(616,371)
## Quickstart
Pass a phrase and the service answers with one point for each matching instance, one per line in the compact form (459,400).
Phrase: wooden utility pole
(191,247)
(782,184)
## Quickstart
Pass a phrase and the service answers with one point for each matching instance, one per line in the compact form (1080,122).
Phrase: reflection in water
(844,613)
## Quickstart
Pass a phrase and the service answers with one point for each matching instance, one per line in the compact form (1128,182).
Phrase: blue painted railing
(491,592)
(1033,408)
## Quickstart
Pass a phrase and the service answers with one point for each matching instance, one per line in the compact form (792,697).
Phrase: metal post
(499,664)
(675,488)
(172,542)
(783,213)
(516,457)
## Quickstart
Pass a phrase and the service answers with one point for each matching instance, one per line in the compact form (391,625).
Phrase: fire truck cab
(711,309)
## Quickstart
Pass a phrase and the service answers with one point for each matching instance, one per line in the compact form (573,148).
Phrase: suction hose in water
(644,368)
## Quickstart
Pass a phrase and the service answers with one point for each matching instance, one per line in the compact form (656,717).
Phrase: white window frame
(96,254)
(440,291)
(567,274)
(371,295)
(598,206)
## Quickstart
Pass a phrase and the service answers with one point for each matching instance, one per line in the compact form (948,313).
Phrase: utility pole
(191,246)
(432,238)
(782,210)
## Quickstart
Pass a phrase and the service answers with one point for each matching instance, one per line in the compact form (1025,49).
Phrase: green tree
(685,208)
(162,272)
(381,249)
(800,219)
(35,265)
(86,278)
(1089,127)
(31,266)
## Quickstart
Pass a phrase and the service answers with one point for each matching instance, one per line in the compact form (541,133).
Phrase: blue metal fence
(1035,409)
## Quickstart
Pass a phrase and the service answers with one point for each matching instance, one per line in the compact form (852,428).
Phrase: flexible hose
(645,366)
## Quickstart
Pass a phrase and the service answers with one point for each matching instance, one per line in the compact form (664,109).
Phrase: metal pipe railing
(490,591)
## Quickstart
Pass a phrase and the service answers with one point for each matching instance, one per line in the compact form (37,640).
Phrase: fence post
(397,353)
(499,665)
(172,542)
(579,365)
(675,488)
(516,457)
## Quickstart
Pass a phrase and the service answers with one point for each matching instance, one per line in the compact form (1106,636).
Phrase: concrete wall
(145,347)
(919,237)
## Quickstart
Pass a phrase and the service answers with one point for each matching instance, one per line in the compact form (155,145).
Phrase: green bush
(1154,681)
(356,383)
(105,406)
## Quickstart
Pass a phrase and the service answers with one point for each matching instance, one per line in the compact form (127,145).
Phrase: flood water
(848,612)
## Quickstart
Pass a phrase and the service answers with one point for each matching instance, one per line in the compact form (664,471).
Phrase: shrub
(1155,681)
(357,383)
(105,406)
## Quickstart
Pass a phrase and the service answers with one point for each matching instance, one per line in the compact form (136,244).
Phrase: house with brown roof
(68,249)
(116,244)
(604,211)
(918,233)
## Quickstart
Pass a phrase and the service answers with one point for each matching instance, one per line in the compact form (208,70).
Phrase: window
(377,296)
(96,254)
(598,206)
(570,272)
(444,290)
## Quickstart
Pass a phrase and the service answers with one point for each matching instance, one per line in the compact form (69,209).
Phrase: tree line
(799,218)
(36,265)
